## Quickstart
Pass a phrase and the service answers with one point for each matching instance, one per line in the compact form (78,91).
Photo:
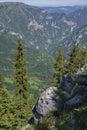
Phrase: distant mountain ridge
(63,9)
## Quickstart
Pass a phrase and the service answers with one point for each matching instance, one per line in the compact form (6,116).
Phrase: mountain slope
(36,27)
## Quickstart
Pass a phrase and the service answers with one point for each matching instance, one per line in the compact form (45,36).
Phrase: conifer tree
(58,69)
(21,83)
(6,108)
(1,83)
(21,79)
(72,65)
(82,56)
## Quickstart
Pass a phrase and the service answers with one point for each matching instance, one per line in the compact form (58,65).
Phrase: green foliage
(21,79)
(21,83)
(1,83)
(77,58)
(82,56)
(73,62)
(58,69)
(6,110)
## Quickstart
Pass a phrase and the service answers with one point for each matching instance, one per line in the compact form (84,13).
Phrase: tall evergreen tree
(58,69)
(82,58)
(21,82)
(21,79)
(72,65)
(1,83)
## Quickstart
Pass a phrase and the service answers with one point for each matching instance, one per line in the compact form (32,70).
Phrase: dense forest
(16,105)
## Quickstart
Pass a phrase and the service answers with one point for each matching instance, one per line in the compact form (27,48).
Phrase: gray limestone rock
(48,101)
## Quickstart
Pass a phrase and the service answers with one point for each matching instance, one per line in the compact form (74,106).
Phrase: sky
(50,2)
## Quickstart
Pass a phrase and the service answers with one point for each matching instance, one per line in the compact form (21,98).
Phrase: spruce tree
(6,108)
(82,56)
(72,65)
(21,83)
(58,69)
(1,83)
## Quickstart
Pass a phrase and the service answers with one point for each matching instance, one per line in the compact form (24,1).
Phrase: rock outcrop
(71,94)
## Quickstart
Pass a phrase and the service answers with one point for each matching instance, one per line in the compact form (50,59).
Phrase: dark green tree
(21,78)
(21,84)
(58,69)
(1,83)
(72,65)
(82,57)
(6,108)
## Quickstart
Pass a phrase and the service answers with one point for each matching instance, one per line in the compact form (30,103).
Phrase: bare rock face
(48,101)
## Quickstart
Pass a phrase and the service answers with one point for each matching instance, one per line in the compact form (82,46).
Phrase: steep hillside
(37,28)
(80,36)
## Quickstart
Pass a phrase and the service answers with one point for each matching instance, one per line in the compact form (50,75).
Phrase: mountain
(42,34)
(63,9)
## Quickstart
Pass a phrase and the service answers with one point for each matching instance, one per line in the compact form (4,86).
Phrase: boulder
(48,101)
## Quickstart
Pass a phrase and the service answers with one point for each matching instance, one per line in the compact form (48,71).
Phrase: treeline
(15,108)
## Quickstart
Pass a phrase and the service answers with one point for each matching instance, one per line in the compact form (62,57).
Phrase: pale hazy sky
(50,2)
